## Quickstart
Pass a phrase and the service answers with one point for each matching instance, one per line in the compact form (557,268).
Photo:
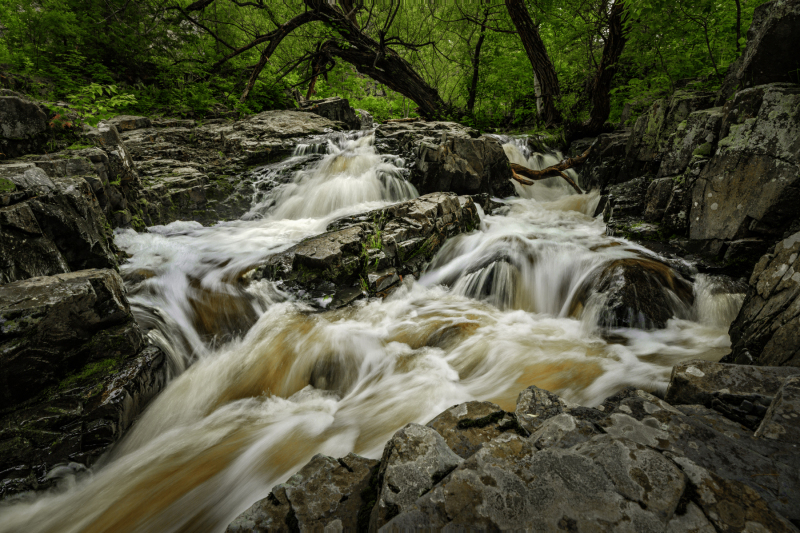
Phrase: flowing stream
(260,383)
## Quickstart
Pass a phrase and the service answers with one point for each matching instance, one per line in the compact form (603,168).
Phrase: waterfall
(261,383)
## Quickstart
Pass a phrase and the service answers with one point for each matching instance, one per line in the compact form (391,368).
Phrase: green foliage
(96,102)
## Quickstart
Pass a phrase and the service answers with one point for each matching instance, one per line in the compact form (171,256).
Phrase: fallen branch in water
(518,171)
(393,120)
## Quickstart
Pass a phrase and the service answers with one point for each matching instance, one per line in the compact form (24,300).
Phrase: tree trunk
(476,63)
(543,68)
(738,24)
(601,84)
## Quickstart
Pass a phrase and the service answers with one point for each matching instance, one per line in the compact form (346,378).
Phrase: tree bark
(520,173)
(601,84)
(537,54)
(476,63)
(738,24)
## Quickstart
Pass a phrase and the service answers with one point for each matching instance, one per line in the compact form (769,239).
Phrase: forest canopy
(514,64)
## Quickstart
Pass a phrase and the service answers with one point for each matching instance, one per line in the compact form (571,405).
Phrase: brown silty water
(261,383)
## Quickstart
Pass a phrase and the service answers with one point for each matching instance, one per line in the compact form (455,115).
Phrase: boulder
(657,198)
(74,372)
(759,150)
(325,495)
(129,122)
(50,225)
(413,461)
(696,137)
(366,119)
(463,166)
(336,109)
(465,427)
(367,252)
(405,138)
(604,162)
(23,127)
(768,325)
(771,52)
(782,421)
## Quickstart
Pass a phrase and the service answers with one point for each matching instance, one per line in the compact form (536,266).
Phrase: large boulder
(336,109)
(50,225)
(368,253)
(405,138)
(463,166)
(23,127)
(771,53)
(74,371)
(604,162)
(759,151)
(768,325)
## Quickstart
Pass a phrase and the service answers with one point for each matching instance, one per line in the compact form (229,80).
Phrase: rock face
(767,329)
(368,253)
(335,109)
(771,53)
(74,372)
(634,463)
(49,225)
(405,138)
(463,166)
(23,127)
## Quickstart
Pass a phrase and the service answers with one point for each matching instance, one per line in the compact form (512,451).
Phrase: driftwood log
(526,176)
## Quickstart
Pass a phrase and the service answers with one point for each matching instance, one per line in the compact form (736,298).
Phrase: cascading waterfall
(261,383)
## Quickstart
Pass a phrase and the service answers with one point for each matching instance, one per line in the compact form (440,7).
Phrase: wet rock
(782,421)
(25,252)
(758,151)
(463,166)
(129,122)
(74,373)
(23,127)
(767,328)
(657,198)
(397,240)
(535,405)
(326,494)
(366,119)
(771,52)
(467,426)
(413,461)
(336,109)
(605,160)
(696,137)
(405,138)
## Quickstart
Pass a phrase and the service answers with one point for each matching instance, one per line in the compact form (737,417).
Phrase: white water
(246,410)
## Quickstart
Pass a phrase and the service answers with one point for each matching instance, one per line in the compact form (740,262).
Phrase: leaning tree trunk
(537,54)
(601,84)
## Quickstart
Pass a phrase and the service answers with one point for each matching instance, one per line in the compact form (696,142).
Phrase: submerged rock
(74,373)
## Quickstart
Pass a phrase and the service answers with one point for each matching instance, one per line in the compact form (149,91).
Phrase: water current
(260,383)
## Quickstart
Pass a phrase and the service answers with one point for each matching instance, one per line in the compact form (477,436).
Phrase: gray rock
(406,138)
(325,495)
(771,52)
(463,166)
(657,199)
(605,160)
(413,461)
(768,325)
(535,405)
(564,431)
(24,250)
(336,109)
(696,137)
(366,119)
(467,426)
(23,127)
(782,421)
(129,122)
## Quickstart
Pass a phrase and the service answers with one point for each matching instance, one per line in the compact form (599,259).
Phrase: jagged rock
(771,52)
(405,138)
(535,405)
(366,119)
(333,269)
(605,160)
(74,374)
(413,461)
(759,151)
(657,199)
(325,495)
(336,109)
(782,421)
(768,325)
(23,127)
(696,137)
(129,122)
(50,223)
(465,427)
(463,166)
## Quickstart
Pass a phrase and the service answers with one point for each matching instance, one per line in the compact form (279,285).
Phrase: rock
(768,325)
(405,138)
(771,52)
(657,198)
(332,269)
(463,166)
(74,373)
(366,119)
(782,421)
(605,160)
(129,122)
(336,109)
(52,225)
(326,494)
(465,427)
(413,461)
(23,127)
(535,405)
(759,151)
(696,137)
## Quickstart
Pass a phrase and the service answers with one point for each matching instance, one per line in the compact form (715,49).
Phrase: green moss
(79,146)
(137,223)
(704,150)
(6,185)
(105,366)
